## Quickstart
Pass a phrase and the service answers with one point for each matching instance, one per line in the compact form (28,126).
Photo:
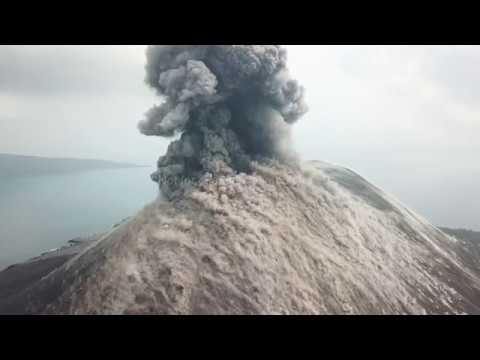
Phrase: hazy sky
(404,117)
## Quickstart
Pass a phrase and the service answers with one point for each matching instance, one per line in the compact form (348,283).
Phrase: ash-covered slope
(321,240)
(236,237)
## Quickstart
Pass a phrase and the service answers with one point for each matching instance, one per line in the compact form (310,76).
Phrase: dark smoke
(230,104)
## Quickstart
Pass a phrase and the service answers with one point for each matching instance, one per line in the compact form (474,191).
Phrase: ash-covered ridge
(228,104)
(245,227)
(278,241)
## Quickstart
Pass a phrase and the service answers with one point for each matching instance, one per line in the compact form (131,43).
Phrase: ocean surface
(41,213)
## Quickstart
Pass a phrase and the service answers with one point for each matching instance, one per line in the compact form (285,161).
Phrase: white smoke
(230,104)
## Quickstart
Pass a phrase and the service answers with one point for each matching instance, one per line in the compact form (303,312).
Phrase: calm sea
(44,212)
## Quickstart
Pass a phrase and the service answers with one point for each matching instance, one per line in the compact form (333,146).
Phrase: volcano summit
(246,227)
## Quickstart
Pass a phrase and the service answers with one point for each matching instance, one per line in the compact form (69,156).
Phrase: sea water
(40,213)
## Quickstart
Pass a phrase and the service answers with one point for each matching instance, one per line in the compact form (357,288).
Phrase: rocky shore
(15,279)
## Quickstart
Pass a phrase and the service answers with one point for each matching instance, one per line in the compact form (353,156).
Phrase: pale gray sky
(404,117)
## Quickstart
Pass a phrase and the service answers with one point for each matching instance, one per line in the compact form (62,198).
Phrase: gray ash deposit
(245,227)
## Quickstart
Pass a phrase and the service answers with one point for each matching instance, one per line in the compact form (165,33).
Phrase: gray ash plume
(229,105)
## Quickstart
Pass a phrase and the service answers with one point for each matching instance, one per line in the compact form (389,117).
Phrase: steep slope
(317,241)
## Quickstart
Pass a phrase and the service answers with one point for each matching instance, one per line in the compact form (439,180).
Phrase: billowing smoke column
(230,104)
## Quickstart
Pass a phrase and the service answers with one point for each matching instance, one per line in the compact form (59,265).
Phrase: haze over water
(40,213)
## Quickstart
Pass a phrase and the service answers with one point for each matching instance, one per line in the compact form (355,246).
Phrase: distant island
(21,165)
(463,234)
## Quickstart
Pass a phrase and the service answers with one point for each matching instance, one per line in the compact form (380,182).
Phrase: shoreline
(17,278)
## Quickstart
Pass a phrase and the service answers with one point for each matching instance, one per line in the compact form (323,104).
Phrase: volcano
(281,240)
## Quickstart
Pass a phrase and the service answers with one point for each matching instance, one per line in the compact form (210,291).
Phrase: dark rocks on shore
(15,279)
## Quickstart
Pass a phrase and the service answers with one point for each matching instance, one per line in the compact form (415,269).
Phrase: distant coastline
(13,165)
(463,234)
